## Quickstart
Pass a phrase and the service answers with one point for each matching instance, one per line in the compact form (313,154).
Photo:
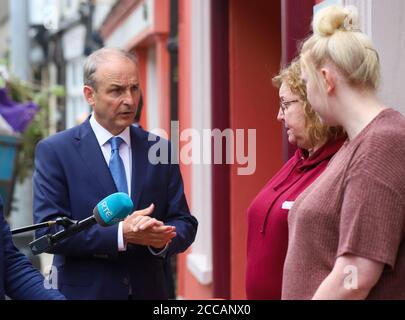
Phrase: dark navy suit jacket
(18,278)
(71,177)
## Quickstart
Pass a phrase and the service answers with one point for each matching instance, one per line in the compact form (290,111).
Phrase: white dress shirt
(103,136)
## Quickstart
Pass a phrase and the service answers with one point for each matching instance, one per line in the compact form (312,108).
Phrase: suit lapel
(139,149)
(91,154)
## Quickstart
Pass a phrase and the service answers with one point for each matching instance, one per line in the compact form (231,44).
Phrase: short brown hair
(316,130)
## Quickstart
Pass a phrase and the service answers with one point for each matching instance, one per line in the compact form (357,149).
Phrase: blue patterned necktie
(117,166)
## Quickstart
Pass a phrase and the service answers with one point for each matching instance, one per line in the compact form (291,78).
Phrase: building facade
(206,68)
(228,51)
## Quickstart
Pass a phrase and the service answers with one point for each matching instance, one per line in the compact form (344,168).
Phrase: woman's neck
(315,148)
(356,109)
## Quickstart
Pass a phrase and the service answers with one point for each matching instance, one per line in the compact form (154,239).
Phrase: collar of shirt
(103,135)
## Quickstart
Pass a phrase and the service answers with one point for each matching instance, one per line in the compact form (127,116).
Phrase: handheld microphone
(112,209)
(107,212)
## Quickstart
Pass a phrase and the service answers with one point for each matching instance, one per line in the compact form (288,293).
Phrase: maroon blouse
(267,220)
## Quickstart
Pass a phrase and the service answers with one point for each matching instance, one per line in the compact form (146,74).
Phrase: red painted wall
(255,53)
(296,26)
(254,58)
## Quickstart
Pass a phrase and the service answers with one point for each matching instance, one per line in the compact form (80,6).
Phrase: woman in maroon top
(267,215)
(347,230)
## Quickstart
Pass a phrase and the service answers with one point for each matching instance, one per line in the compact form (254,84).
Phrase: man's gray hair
(101,55)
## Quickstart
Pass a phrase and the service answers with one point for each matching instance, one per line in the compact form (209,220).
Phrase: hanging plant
(39,127)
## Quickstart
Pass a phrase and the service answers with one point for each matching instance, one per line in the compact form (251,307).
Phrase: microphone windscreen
(113,209)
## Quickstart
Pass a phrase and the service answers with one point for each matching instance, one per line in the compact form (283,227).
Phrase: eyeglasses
(284,105)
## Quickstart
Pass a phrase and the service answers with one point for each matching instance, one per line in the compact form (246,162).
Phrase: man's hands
(140,228)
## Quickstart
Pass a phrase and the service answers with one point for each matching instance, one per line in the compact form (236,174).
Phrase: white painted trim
(73,42)
(200,267)
(199,262)
(389,40)
(133,26)
(152,112)
(76,105)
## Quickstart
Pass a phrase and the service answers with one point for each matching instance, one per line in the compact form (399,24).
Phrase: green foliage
(38,128)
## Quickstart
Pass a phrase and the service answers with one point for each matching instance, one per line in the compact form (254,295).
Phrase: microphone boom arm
(62,221)
(46,242)
(107,212)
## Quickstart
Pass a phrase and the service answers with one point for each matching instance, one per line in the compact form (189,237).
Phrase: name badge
(287,205)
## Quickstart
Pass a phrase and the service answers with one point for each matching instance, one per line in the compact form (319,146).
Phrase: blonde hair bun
(335,18)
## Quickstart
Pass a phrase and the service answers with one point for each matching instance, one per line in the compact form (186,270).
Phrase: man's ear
(329,78)
(89,95)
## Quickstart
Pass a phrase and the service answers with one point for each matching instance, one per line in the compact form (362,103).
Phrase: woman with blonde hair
(267,215)
(346,231)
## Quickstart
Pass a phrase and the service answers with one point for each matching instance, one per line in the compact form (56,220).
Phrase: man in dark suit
(76,168)
(18,278)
